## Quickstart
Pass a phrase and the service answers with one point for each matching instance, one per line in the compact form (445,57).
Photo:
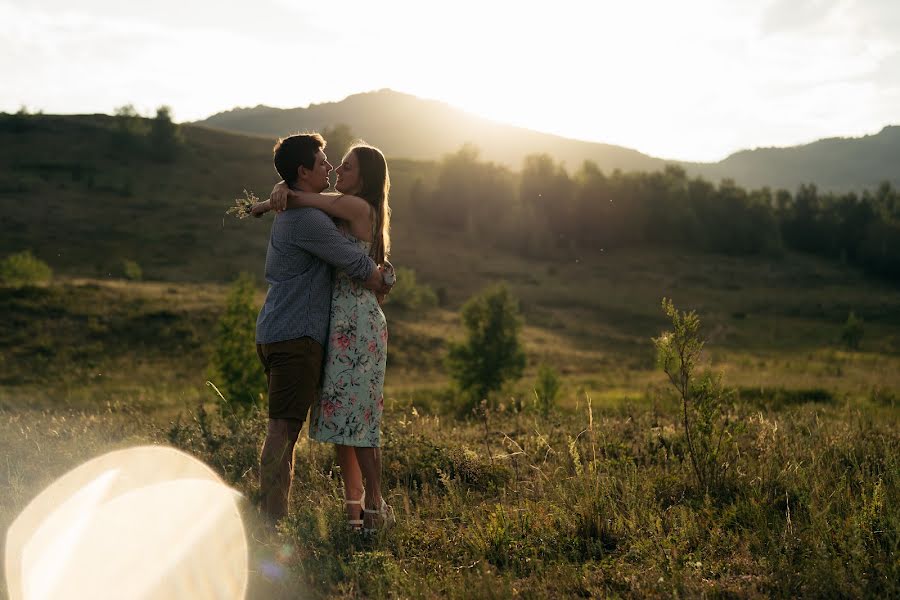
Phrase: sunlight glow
(692,80)
(148,522)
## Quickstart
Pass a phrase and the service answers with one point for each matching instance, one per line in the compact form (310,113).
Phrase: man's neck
(302,186)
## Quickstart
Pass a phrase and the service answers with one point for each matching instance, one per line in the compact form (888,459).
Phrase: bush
(131,270)
(852,333)
(235,367)
(703,399)
(409,294)
(23,269)
(492,352)
(546,389)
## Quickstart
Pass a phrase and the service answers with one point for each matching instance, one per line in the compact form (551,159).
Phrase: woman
(349,412)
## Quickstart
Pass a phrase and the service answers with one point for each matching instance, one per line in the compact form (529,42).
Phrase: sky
(687,80)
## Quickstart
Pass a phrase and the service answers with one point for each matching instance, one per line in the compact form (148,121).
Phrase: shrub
(546,389)
(410,294)
(23,269)
(235,368)
(131,270)
(492,352)
(852,333)
(706,426)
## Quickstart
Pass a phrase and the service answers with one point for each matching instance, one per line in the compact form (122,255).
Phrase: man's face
(317,177)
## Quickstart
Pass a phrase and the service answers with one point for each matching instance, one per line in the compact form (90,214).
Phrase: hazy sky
(693,80)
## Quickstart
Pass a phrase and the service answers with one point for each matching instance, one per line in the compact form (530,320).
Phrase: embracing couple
(321,335)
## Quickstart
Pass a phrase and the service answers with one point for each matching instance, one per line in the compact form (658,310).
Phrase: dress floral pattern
(352,400)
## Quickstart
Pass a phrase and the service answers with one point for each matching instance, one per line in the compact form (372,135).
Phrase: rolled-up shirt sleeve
(317,234)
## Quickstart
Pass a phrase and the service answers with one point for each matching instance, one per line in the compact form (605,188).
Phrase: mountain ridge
(407,126)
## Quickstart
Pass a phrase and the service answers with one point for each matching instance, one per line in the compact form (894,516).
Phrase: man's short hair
(294,151)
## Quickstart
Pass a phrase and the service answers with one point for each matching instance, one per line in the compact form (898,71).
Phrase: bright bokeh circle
(149,522)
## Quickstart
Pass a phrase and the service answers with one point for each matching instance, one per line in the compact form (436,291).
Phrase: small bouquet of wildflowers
(243,206)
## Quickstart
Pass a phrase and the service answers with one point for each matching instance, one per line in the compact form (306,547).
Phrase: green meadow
(594,499)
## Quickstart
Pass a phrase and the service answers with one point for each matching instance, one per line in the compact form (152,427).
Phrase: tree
(130,128)
(545,187)
(235,368)
(492,353)
(164,135)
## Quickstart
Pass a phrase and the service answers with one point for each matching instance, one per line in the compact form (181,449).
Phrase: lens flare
(146,522)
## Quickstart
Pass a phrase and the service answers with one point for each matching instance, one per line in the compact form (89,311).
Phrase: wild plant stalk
(678,353)
(707,429)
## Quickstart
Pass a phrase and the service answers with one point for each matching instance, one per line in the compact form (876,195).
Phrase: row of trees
(543,208)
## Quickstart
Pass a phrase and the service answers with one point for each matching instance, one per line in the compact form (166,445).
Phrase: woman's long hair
(376,186)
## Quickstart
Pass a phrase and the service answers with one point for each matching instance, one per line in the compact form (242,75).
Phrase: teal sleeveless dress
(352,399)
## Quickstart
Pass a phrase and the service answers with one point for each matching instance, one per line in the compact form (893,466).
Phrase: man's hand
(279,196)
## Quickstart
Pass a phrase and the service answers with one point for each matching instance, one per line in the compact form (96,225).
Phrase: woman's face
(348,179)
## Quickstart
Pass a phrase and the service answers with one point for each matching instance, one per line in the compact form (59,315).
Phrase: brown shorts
(293,371)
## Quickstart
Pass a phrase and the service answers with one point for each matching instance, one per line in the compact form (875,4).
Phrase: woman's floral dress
(352,401)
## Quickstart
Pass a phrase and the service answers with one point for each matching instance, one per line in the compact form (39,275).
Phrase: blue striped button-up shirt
(303,246)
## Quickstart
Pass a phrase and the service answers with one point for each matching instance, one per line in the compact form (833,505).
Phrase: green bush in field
(703,399)
(24,268)
(546,388)
(410,294)
(235,367)
(852,333)
(492,352)
(131,270)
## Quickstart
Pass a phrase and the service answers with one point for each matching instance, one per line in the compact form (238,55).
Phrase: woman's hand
(261,208)
(279,197)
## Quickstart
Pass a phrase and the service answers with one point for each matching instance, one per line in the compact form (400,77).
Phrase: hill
(406,126)
(835,164)
(97,199)
(411,127)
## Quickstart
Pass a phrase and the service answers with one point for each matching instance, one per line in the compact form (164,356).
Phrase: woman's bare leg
(352,477)
(369,460)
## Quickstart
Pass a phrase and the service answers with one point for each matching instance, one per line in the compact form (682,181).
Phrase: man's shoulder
(306,214)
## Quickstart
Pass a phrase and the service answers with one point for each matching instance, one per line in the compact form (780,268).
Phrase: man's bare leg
(276,466)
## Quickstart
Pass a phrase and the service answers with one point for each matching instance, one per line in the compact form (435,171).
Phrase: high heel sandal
(356,524)
(385,516)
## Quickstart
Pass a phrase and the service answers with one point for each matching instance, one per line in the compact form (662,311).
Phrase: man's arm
(317,234)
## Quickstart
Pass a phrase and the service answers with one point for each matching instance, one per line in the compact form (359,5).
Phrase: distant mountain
(406,126)
(410,127)
(837,164)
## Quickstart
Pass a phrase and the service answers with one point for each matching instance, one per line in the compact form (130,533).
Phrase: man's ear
(301,172)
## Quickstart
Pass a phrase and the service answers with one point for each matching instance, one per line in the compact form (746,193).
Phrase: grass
(508,504)
(521,506)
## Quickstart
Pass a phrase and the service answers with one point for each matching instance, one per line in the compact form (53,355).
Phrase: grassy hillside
(83,199)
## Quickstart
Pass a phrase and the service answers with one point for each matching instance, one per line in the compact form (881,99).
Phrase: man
(292,326)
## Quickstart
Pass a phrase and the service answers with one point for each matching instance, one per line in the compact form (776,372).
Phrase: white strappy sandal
(356,524)
(385,514)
